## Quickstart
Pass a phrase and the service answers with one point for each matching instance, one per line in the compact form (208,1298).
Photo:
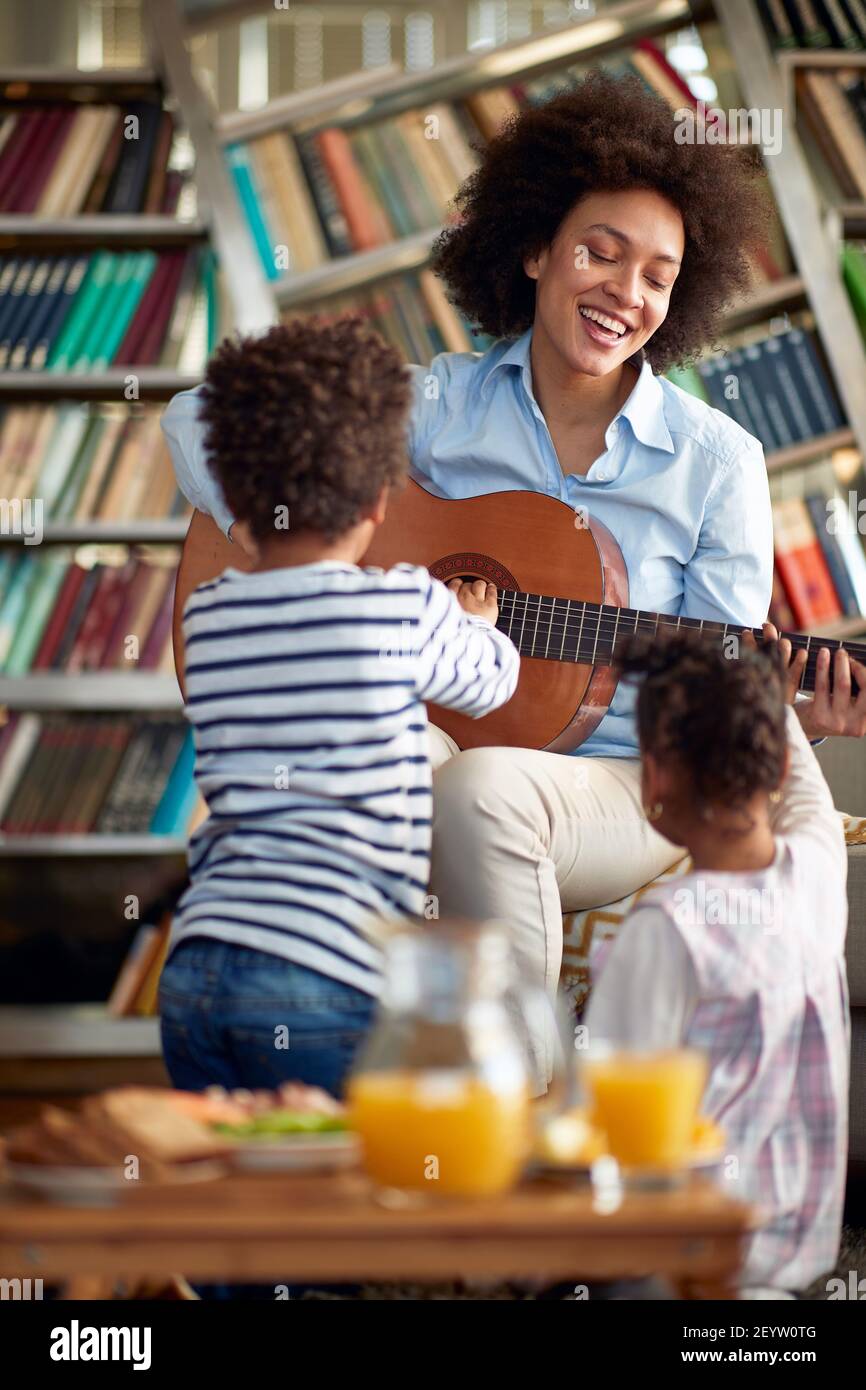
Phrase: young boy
(743,957)
(306,680)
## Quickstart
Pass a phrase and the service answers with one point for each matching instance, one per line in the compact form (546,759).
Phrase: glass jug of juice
(440,1094)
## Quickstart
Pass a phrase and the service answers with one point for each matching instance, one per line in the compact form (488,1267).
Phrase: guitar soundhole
(470,565)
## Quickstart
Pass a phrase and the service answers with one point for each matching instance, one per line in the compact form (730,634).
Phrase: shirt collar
(516,354)
(644,408)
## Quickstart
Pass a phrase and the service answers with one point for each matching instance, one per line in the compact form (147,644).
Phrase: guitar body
(532,543)
(520,541)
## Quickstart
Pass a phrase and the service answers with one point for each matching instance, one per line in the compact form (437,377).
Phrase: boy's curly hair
(606,134)
(310,416)
(721,718)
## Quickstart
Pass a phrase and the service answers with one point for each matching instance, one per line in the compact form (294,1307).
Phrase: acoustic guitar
(563,601)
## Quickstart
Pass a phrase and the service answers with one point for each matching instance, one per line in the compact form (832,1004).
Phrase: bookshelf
(764,85)
(56,1045)
(851,219)
(810,449)
(791,60)
(845,628)
(775,297)
(346,273)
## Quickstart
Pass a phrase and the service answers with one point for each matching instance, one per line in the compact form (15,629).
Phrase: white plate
(697,1163)
(98,1186)
(297,1153)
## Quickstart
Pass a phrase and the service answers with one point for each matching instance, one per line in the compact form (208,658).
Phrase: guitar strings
(605,628)
(616,622)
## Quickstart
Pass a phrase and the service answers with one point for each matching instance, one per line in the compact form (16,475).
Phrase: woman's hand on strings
(795,662)
(828,712)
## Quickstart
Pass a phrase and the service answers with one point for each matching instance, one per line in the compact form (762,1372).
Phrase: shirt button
(602,476)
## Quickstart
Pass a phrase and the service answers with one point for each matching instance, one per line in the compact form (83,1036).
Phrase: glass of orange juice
(646,1100)
(440,1095)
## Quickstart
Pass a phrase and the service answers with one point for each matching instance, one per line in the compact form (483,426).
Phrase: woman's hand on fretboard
(827,712)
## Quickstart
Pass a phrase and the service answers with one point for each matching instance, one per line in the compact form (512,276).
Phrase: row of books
(88,461)
(815,23)
(834,106)
(334,192)
(819,557)
(128,776)
(106,308)
(777,387)
(412,312)
(67,158)
(97,607)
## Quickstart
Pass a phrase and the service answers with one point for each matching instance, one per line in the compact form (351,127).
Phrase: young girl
(744,956)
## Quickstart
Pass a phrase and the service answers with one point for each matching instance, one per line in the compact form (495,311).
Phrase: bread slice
(155,1129)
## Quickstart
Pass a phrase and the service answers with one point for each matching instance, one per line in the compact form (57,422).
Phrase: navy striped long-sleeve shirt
(305,692)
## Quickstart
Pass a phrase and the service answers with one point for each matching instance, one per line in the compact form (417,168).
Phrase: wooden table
(303,1228)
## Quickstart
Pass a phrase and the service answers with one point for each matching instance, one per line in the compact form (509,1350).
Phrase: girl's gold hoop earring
(776,796)
(654,812)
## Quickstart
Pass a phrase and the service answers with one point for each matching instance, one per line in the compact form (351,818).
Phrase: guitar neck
(591,634)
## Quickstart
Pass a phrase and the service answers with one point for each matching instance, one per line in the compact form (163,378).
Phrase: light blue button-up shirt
(682,487)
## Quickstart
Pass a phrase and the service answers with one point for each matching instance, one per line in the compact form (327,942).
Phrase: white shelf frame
(91,691)
(169,530)
(91,846)
(143,229)
(74,1030)
(109,385)
(253,305)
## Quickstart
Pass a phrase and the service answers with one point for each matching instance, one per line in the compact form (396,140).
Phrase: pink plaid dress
(750,968)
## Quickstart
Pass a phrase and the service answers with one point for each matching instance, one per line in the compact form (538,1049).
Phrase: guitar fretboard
(590,634)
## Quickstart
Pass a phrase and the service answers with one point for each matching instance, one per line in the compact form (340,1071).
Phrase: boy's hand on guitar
(476,597)
(828,712)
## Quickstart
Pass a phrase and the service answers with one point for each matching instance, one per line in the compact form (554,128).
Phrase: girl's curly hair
(722,718)
(606,134)
(311,416)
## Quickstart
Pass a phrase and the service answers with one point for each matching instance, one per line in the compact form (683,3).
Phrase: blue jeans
(226,1009)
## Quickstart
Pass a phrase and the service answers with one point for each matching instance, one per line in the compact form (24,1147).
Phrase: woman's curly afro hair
(606,134)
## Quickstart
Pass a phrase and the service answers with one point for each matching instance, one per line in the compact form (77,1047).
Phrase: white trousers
(523,836)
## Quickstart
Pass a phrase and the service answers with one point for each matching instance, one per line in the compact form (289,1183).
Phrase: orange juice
(439,1131)
(647,1104)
